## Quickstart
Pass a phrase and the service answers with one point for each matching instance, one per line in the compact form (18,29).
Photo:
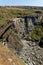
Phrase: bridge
(5,29)
(10,24)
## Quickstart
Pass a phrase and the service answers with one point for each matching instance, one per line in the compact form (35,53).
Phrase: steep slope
(15,42)
(7,58)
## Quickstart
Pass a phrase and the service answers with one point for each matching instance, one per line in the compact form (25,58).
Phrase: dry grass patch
(7,58)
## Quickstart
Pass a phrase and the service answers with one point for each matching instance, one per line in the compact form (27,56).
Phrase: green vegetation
(9,13)
(15,42)
(37,33)
(41,20)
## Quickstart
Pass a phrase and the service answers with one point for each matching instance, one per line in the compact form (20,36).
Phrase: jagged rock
(31,53)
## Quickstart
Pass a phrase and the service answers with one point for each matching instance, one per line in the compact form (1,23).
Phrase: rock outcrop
(25,24)
(31,53)
(28,51)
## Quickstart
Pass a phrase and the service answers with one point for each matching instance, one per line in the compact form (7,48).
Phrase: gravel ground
(31,53)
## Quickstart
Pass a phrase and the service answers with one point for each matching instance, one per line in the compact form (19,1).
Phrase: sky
(21,3)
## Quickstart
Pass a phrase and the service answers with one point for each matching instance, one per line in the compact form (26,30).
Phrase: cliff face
(31,53)
(25,24)
(12,44)
(19,26)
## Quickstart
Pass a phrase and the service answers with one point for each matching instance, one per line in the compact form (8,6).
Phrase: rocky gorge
(15,36)
(31,53)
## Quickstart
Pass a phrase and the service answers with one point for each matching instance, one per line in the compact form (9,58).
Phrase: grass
(7,58)
(8,13)
(36,34)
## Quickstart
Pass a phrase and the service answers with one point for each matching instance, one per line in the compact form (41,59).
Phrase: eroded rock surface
(31,53)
